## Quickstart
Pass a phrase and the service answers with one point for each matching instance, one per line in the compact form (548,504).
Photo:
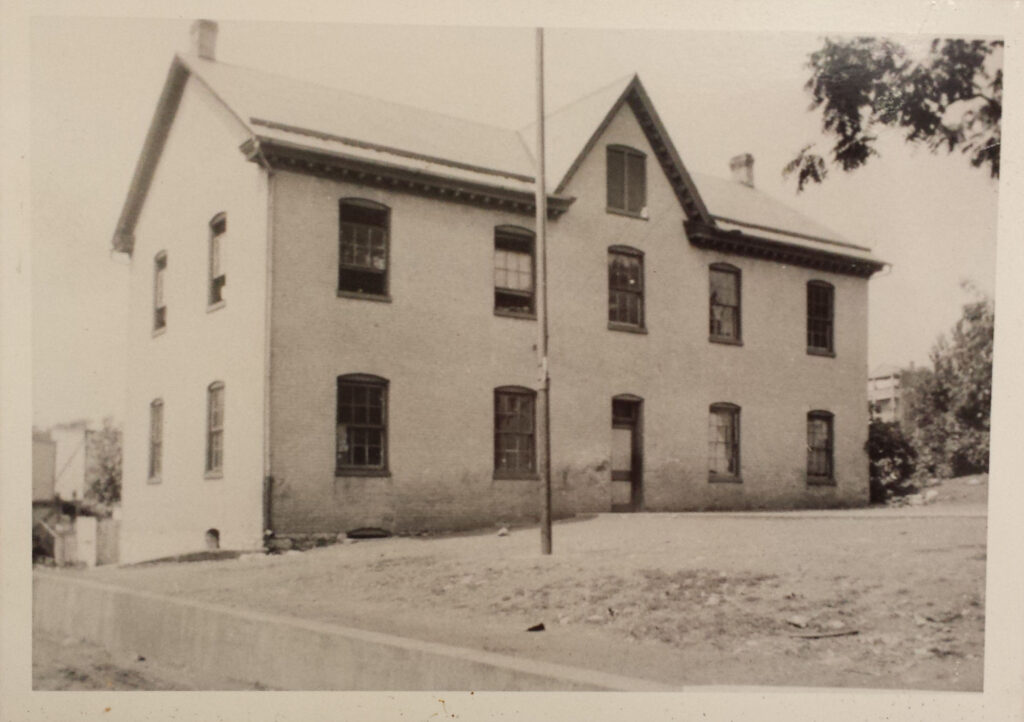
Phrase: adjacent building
(334,318)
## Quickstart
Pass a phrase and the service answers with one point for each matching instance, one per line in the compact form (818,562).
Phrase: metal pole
(542,309)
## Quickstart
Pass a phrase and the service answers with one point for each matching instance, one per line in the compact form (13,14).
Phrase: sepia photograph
(397,357)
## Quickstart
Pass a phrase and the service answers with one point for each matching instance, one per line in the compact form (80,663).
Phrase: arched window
(514,432)
(627,180)
(362,425)
(159,304)
(514,271)
(625,287)
(218,276)
(156,439)
(363,247)
(724,303)
(724,442)
(819,447)
(820,313)
(215,428)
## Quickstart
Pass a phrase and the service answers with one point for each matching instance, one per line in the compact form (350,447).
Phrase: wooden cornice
(703,235)
(326,164)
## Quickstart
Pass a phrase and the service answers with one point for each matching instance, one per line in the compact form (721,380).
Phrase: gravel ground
(687,599)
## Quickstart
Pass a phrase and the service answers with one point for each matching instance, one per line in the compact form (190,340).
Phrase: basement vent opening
(367,532)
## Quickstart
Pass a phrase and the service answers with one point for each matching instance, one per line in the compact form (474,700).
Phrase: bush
(892,460)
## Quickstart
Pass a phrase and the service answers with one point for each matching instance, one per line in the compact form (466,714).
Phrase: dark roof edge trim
(166,108)
(794,234)
(301,159)
(709,237)
(274,125)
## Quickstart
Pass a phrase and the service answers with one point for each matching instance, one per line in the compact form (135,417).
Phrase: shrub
(892,460)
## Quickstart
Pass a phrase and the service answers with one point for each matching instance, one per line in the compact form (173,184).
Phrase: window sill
(811,351)
(154,480)
(628,214)
(728,341)
(364,296)
(724,479)
(370,473)
(509,476)
(513,314)
(213,475)
(159,331)
(628,328)
(820,481)
(215,306)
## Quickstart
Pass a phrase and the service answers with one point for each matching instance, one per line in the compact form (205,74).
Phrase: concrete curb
(289,653)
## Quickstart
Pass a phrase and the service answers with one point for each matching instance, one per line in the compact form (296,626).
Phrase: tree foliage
(948,406)
(950,99)
(103,474)
(892,460)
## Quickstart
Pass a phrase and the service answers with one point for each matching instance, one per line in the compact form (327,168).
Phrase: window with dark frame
(627,180)
(156,433)
(215,428)
(361,428)
(625,286)
(820,311)
(513,271)
(819,446)
(514,442)
(724,303)
(724,442)
(363,247)
(159,305)
(218,278)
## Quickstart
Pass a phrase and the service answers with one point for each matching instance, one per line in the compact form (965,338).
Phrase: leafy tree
(892,460)
(952,98)
(948,407)
(104,470)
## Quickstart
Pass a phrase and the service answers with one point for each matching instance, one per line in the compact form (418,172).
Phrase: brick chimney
(742,167)
(204,39)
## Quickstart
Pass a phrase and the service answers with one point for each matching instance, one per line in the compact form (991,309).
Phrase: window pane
(723,288)
(616,179)
(635,183)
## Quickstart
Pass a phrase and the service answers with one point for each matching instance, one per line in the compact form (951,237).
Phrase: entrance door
(627,454)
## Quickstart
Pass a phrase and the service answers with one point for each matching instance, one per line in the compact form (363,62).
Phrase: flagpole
(542,309)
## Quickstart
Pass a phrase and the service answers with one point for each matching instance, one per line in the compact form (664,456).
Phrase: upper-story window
(819,447)
(218,278)
(625,287)
(215,428)
(362,425)
(363,247)
(513,271)
(820,311)
(724,303)
(159,304)
(627,180)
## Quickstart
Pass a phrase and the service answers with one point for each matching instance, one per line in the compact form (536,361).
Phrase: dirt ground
(71,664)
(686,599)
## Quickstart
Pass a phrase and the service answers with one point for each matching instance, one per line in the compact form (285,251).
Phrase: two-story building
(334,321)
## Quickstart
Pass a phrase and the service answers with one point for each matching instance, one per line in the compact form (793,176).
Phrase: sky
(95,84)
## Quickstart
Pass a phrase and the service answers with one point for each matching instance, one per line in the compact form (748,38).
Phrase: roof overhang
(710,237)
(283,155)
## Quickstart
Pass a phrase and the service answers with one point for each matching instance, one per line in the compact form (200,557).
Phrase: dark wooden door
(627,455)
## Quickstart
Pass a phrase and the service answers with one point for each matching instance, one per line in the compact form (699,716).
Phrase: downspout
(255,153)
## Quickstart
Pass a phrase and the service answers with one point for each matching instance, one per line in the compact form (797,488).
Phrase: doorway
(627,453)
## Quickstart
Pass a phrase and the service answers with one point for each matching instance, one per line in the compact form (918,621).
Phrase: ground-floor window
(724,442)
(361,428)
(514,443)
(819,447)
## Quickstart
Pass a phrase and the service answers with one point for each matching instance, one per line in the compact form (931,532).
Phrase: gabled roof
(322,130)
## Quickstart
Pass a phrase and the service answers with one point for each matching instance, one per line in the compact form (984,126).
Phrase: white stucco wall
(201,173)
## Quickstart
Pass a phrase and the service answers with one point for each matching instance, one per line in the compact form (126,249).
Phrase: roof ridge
(191,59)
